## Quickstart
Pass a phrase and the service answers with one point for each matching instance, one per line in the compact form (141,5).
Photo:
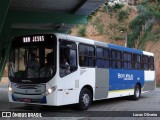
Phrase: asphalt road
(148,102)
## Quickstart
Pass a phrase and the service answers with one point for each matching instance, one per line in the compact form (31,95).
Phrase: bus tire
(137,92)
(84,99)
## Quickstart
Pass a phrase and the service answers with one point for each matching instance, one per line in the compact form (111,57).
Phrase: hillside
(112,25)
(107,24)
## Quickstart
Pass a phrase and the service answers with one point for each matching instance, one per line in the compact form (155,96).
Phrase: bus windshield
(33,57)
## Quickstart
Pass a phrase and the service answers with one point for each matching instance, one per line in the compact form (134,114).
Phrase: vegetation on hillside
(149,11)
(106,23)
(114,23)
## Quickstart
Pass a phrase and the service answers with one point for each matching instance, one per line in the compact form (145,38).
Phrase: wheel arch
(138,83)
(89,87)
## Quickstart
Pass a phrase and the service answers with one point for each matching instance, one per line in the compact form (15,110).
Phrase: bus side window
(116,59)
(86,55)
(125,64)
(136,61)
(119,60)
(127,61)
(68,57)
(102,57)
(113,58)
(151,63)
(72,57)
(100,62)
(106,58)
(145,64)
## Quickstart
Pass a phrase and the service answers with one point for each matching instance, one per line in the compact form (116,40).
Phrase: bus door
(102,73)
(68,70)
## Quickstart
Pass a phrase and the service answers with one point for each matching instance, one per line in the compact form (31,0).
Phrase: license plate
(26,100)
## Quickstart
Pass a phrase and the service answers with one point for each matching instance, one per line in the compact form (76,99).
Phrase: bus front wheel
(84,99)
(137,92)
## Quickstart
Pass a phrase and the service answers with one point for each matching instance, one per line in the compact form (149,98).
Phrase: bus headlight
(50,90)
(10,89)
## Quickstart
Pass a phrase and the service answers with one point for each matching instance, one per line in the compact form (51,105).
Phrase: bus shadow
(71,108)
(118,100)
(41,108)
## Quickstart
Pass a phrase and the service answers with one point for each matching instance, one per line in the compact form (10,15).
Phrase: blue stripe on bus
(121,79)
(125,79)
(124,49)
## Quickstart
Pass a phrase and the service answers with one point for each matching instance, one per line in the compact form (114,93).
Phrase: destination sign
(33,39)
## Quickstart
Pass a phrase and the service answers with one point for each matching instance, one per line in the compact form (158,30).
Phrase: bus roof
(113,46)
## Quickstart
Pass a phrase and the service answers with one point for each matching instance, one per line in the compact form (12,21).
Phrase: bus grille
(28,89)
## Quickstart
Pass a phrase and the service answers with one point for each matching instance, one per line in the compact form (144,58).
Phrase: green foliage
(122,27)
(144,2)
(122,15)
(136,26)
(146,10)
(153,9)
(130,42)
(133,36)
(138,21)
(108,10)
(99,26)
(118,26)
(149,35)
(82,31)
(118,6)
(141,8)
(150,8)
(111,9)
(117,37)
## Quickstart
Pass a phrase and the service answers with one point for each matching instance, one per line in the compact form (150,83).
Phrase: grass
(149,35)
(117,37)
(99,26)
(82,31)
(111,9)
(122,15)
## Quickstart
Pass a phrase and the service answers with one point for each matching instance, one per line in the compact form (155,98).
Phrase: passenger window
(118,55)
(136,61)
(151,63)
(99,52)
(68,57)
(127,61)
(102,58)
(145,64)
(113,53)
(116,59)
(86,55)
(106,53)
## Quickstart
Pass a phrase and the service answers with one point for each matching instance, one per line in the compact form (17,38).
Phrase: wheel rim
(85,99)
(137,92)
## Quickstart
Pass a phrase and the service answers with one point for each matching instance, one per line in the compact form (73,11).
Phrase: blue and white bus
(58,69)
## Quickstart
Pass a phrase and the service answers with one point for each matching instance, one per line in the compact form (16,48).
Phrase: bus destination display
(33,39)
